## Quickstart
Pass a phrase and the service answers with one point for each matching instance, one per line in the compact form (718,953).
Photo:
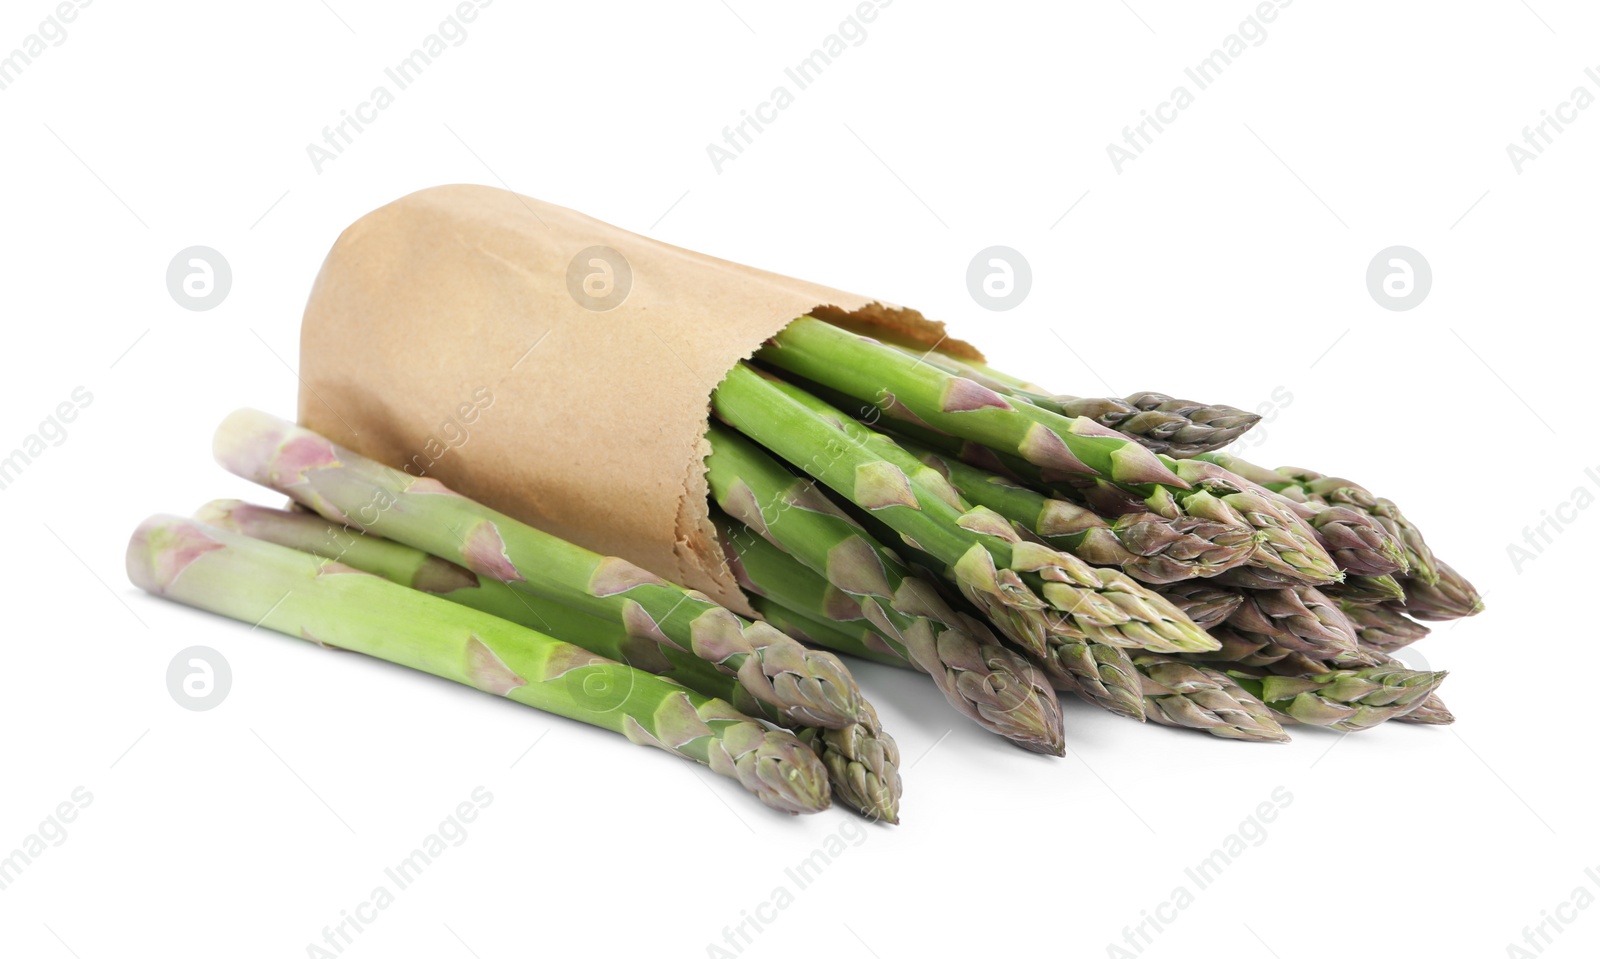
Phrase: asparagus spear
(1257,650)
(1452,597)
(810,688)
(1205,604)
(1308,535)
(1179,428)
(1148,547)
(1345,699)
(836,560)
(863,765)
(334,605)
(1383,627)
(862,758)
(874,373)
(1431,712)
(1288,550)
(1400,545)
(1185,694)
(1156,421)
(1359,590)
(1357,541)
(1297,617)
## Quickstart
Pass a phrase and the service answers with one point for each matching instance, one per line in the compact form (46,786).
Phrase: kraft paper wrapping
(444,336)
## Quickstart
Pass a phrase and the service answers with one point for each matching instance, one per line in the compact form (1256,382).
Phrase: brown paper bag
(552,366)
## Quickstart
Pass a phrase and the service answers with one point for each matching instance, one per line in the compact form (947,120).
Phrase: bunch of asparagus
(400,567)
(893,504)
(912,509)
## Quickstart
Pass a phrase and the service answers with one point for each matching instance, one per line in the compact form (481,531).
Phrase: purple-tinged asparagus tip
(1133,463)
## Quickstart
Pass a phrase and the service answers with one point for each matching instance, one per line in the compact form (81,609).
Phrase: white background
(1226,262)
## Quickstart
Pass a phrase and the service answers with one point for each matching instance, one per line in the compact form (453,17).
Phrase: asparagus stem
(1156,421)
(877,800)
(874,373)
(810,688)
(334,605)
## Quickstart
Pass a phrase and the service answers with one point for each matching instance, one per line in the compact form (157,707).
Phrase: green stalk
(851,638)
(808,687)
(412,567)
(884,376)
(877,799)
(1148,547)
(814,542)
(336,606)
(1156,421)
